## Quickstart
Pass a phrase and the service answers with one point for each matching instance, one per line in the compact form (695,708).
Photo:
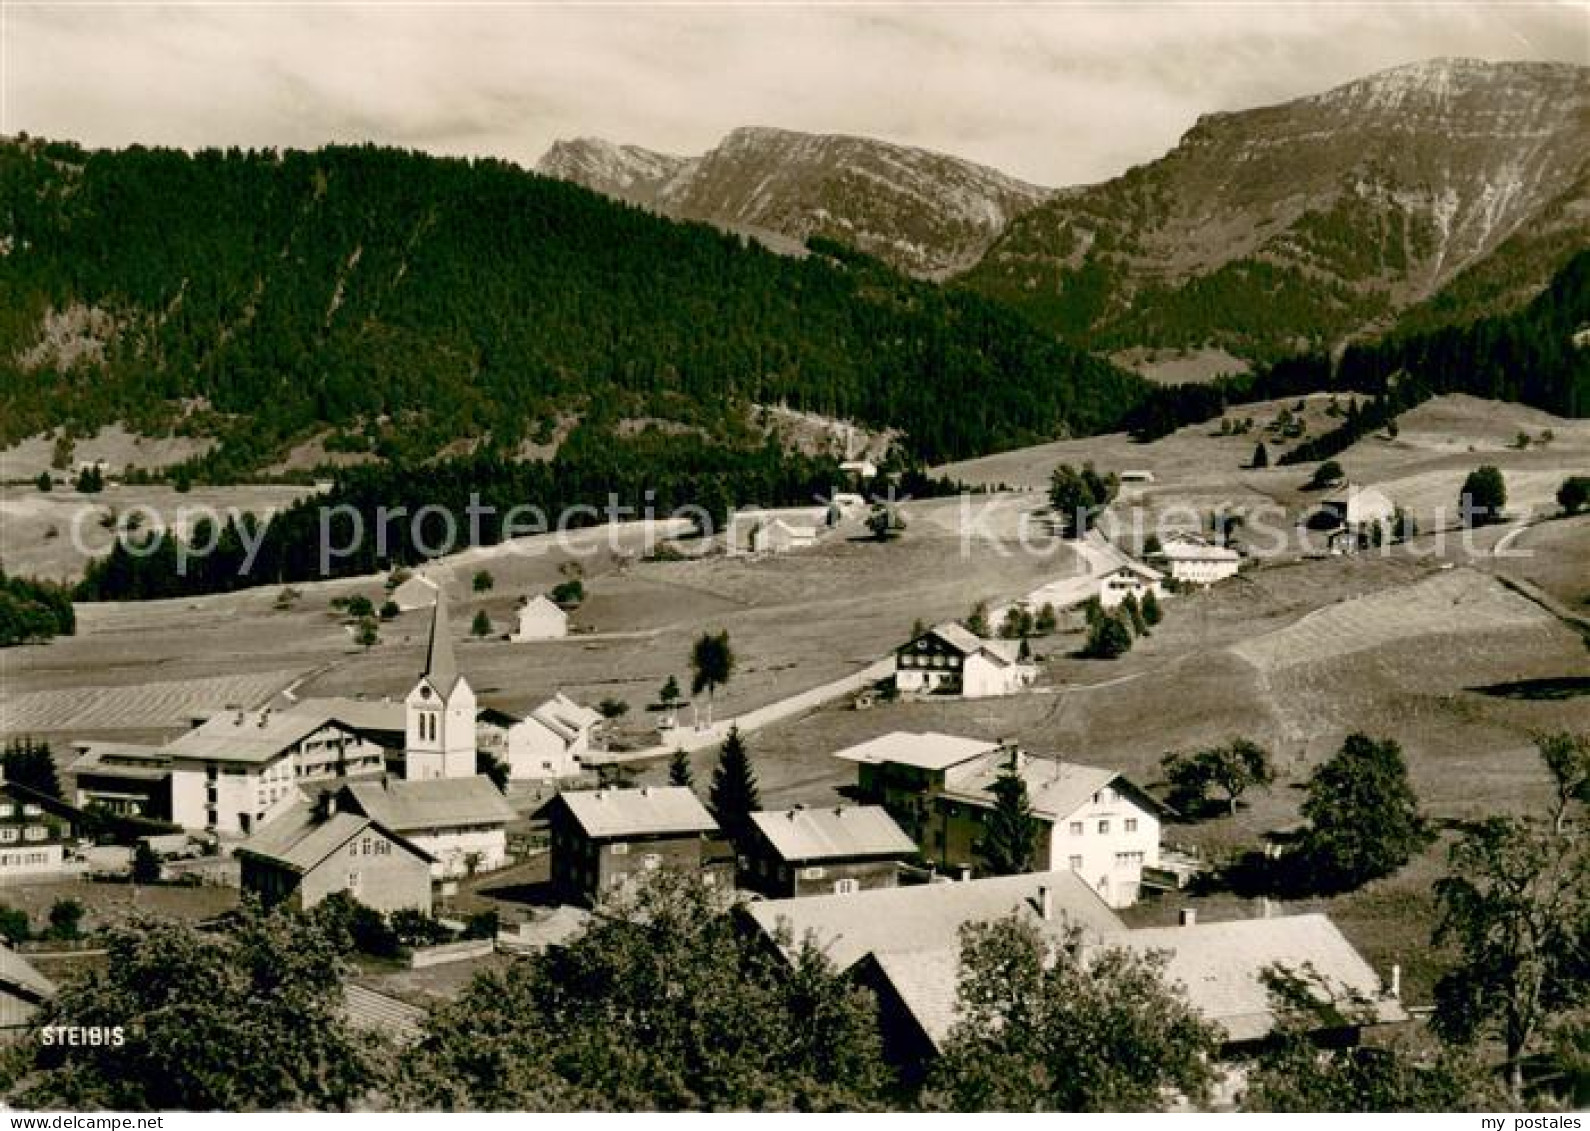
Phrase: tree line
(1527,356)
(402,302)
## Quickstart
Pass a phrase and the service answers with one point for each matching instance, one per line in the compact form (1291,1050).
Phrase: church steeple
(441,666)
(441,711)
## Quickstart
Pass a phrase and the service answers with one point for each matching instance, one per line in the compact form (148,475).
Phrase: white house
(418,592)
(540,618)
(1196,561)
(1362,516)
(951,660)
(545,744)
(440,733)
(1095,822)
(757,530)
(462,823)
(778,535)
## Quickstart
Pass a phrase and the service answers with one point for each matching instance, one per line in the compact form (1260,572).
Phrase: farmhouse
(22,990)
(905,772)
(460,823)
(602,838)
(1093,822)
(1197,561)
(1223,969)
(540,618)
(547,744)
(1121,576)
(1358,517)
(122,778)
(418,592)
(821,851)
(950,660)
(759,531)
(302,857)
(32,839)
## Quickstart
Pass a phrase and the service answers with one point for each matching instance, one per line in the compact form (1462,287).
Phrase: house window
(1104,828)
(1076,863)
(1076,828)
(651,861)
(37,832)
(32,811)
(353,882)
(1127,859)
(619,849)
(811,873)
(1131,824)
(8,836)
(846,887)
(8,810)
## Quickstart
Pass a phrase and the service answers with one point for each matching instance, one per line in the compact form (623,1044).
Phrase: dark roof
(441,666)
(299,841)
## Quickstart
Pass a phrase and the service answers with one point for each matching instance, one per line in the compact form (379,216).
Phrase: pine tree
(1011,834)
(1152,613)
(481,625)
(1261,455)
(734,795)
(679,771)
(1134,614)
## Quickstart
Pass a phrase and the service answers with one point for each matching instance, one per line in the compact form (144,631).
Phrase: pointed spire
(441,667)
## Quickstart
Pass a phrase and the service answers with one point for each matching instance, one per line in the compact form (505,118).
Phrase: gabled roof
(300,842)
(1190,549)
(250,737)
(648,811)
(380,716)
(18,974)
(565,718)
(928,916)
(1360,504)
(416,807)
(122,760)
(1221,967)
(833,834)
(959,637)
(928,750)
(541,603)
(926,983)
(968,643)
(1055,789)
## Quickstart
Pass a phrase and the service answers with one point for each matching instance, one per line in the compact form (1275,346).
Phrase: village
(868,692)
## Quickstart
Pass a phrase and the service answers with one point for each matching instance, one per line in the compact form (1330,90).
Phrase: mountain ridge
(926,213)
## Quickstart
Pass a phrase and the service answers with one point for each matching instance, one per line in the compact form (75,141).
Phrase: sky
(1058,93)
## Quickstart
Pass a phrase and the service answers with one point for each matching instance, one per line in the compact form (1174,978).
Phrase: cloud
(1059,93)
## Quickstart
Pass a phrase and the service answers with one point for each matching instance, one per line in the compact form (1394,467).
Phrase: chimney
(1396,981)
(1188,917)
(1046,903)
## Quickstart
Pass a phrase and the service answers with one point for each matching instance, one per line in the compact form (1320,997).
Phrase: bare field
(55,534)
(118,447)
(796,621)
(1453,603)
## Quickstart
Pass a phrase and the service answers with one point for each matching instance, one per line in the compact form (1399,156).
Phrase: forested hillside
(1538,355)
(403,303)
